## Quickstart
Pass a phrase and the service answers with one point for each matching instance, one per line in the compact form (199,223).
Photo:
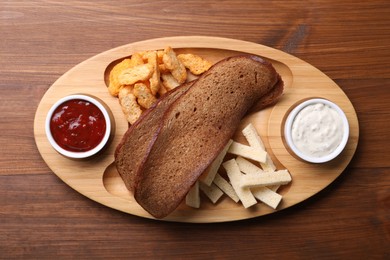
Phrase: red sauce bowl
(78,126)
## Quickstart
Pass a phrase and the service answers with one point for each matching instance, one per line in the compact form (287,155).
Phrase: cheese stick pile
(245,182)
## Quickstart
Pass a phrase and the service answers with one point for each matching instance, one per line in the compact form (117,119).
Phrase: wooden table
(40,216)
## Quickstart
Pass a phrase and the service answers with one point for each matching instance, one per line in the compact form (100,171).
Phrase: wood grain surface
(41,217)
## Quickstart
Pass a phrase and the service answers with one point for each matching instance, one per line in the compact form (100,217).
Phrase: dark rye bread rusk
(196,127)
(137,140)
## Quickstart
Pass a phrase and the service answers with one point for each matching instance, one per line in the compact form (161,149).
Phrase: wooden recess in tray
(98,179)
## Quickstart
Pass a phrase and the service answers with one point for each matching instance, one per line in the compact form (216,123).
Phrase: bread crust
(197,125)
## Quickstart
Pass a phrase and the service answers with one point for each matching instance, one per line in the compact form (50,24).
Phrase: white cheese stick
(252,137)
(235,176)
(249,168)
(225,186)
(274,188)
(213,168)
(267,196)
(269,165)
(192,197)
(248,152)
(212,191)
(281,177)
(255,141)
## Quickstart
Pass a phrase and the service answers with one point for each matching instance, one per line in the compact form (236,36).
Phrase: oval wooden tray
(98,179)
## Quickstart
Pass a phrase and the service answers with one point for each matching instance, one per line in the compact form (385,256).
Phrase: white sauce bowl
(84,154)
(288,131)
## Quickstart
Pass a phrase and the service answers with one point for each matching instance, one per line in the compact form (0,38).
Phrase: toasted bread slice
(196,127)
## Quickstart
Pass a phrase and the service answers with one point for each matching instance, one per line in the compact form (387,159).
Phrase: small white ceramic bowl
(84,154)
(288,131)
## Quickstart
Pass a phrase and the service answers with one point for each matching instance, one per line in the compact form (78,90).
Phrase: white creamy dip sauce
(317,130)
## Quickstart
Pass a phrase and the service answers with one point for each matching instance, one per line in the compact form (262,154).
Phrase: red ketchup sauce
(77,125)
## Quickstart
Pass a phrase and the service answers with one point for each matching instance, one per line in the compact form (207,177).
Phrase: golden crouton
(163,68)
(143,95)
(196,64)
(136,59)
(114,85)
(175,66)
(162,90)
(135,74)
(168,81)
(129,104)
(160,55)
(154,80)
